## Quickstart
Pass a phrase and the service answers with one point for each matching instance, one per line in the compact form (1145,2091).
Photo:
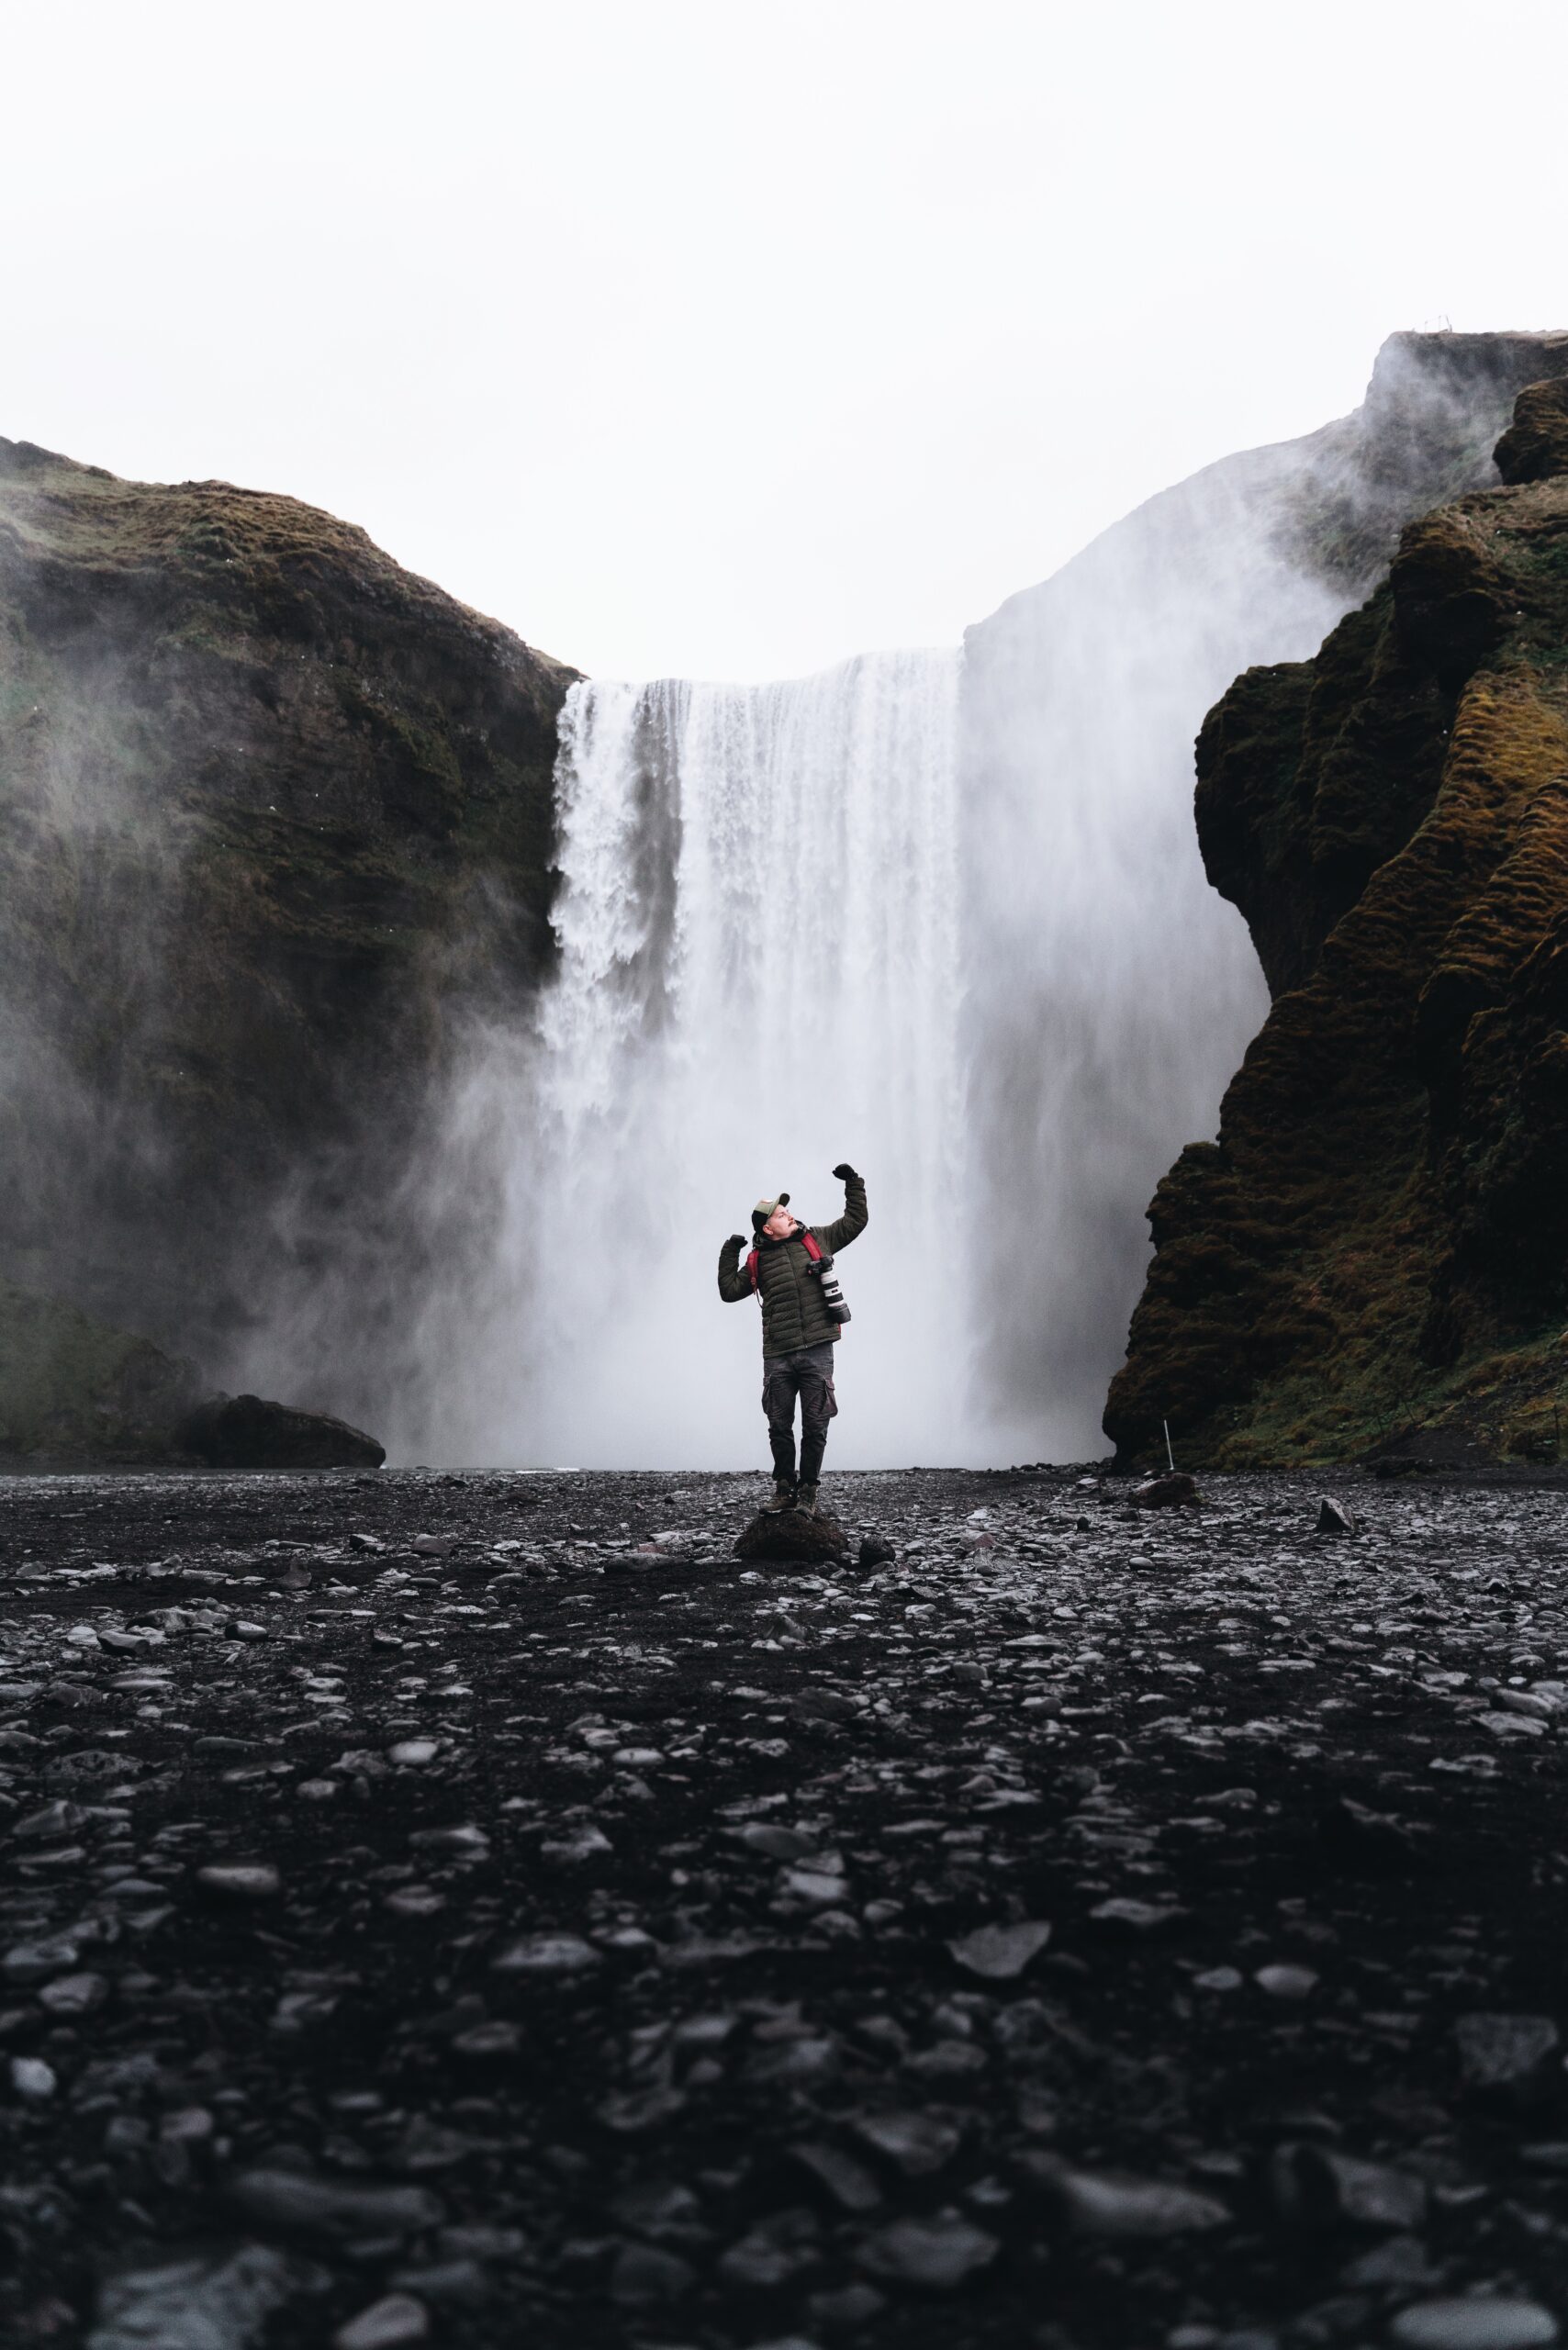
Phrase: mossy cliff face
(1375,1251)
(73,1389)
(273,816)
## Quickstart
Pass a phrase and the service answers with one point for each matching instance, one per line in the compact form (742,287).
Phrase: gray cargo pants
(806,1373)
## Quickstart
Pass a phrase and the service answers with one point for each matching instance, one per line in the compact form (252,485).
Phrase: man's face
(780,1225)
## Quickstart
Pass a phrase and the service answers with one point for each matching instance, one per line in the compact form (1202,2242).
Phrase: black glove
(845,1172)
(736,1240)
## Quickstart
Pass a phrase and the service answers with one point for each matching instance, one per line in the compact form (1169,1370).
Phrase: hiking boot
(806,1500)
(783,1497)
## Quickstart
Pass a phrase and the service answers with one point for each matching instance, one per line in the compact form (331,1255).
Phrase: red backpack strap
(751,1267)
(809,1243)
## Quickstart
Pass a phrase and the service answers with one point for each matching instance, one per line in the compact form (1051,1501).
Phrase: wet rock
(1137,1916)
(644,2277)
(237,1881)
(222,2303)
(387,2324)
(1333,1517)
(452,2284)
(244,1432)
(876,1550)
(73,1994)
(1286,1982)
(823,1706)
(587,1843)
(1175,1490)
(788,1538)
(917,2143)
(1504,2053)
(1115,2204)
(543,1954)
(1479,2323)
(295,2203)
(32,2079)
(1318,2184)
(1000,1954)
(850,2186)
(772,2254)
(936,2255)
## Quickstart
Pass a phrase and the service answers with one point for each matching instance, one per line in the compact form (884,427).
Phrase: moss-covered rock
(275,817)
(1376,1250)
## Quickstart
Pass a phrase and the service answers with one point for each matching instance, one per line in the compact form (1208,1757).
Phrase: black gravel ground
(432,1914)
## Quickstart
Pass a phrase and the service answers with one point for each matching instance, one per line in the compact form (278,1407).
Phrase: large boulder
(246,1432)
(790,1539)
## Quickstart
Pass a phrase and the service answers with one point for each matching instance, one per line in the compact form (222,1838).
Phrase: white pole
(1169,1454)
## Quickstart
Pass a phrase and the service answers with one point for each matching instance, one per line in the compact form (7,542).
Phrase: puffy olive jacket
(793,1314)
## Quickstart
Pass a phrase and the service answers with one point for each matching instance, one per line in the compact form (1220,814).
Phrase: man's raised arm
(734,1281)
(852,1222)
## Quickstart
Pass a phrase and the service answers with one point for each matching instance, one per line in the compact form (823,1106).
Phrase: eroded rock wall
(274,814)
(1375,1251)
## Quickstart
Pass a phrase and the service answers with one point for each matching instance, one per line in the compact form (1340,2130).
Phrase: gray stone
(297,2203)
(936,2255)
(219,2303)
(33,2080)
(1001,1953)
(1117,2205)
(546,1955)
(1474,2325)
(241,1881)
(644,2277)
(389,2324)
(1502,2052)
(1286,1982)
(917,2143)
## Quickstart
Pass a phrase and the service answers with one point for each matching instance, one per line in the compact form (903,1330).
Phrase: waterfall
(757,932)
(941,915)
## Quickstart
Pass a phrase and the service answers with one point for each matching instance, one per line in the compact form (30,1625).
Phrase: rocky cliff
(275,818)
(1374,1254)
(1116,990)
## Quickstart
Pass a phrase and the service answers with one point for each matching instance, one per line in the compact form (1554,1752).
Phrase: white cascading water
(943,915)
(759,978)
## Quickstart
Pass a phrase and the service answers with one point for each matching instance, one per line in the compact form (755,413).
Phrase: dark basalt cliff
(273,816)
(1374,1254)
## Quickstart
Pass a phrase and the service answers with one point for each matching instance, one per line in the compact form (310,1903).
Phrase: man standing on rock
(799,1329)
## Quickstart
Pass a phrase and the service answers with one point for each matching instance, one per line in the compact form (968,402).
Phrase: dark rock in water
(244,1432)
(789,1538)
(1333,1517)
(1173,1491)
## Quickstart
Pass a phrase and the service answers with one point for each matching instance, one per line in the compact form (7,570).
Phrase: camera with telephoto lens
(833,1296)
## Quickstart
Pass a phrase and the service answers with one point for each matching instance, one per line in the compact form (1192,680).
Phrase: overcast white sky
(725,340)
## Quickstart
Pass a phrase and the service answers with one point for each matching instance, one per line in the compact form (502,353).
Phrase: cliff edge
(1373,1256)
(274,816)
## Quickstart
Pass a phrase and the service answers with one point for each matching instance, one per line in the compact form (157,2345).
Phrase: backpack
(833,1296)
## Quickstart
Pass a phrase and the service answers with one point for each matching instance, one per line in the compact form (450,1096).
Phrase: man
(798,1332)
